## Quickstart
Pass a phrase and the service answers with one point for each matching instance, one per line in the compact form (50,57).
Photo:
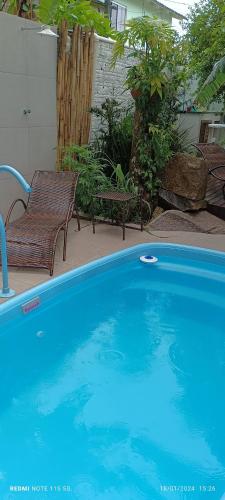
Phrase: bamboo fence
(74,88)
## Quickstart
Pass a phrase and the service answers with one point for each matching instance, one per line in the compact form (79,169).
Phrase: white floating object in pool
(148,259)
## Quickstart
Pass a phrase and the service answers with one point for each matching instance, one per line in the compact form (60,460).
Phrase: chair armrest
(11,209)
(212,172)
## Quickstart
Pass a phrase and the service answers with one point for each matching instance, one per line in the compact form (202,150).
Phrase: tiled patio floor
(84,246)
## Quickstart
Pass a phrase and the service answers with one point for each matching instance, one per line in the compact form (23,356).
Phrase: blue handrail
(18,176)
(6,291)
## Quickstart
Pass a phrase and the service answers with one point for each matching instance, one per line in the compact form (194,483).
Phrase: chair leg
(53,247)
(78,218)
(65,242)
(224,191)
(52,265)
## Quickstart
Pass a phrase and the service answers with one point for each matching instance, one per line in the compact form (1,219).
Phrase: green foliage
(206,45)
(122,182)
(154,152)
(154,81)
(92,176)
(114,139)
(155,46)
(181,141)
(77,12)
(10,7)
(93,179)
(53,12)
(22,8)
(155,143)
(214,84)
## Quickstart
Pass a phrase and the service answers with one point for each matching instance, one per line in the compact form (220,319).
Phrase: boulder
(173,200)
(185,176)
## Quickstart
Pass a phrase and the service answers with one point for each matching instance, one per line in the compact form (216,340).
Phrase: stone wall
(108,82)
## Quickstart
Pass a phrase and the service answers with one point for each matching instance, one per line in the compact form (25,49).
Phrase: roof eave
(176,14)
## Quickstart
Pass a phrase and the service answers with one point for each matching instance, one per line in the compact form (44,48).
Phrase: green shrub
(114,139)
(154,82)
(92,176)
(122,182)
(93,179)
(181,140)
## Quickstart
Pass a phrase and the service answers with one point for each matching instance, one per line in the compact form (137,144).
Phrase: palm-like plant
(214,82)
(152,42)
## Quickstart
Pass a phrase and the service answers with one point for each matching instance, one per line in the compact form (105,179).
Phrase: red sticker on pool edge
(31,305)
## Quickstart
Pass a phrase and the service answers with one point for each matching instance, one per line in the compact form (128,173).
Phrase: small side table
(118,197)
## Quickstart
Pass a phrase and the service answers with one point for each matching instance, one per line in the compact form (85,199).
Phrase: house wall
(27,81)
(191,122)
(137,8)
(147,7)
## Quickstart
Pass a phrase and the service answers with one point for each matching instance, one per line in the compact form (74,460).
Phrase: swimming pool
(112,381)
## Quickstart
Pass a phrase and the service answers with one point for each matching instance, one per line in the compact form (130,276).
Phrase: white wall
(27,81)
(192,123)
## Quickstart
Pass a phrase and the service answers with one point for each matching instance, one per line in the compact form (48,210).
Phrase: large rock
(172,200)
(185,176)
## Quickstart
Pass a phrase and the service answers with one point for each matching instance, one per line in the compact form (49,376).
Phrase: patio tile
(84,246)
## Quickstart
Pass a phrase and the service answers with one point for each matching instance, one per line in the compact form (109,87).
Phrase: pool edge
(196,253)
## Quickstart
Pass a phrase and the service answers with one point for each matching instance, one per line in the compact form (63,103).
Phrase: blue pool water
(112,388)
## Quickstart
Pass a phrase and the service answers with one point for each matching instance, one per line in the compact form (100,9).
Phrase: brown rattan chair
(31,239)
(214,154)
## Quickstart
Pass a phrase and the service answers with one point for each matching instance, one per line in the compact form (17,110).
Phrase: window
(99,6)
(118,16)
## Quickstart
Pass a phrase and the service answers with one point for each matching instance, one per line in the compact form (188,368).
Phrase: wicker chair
(215,156)
(31,239)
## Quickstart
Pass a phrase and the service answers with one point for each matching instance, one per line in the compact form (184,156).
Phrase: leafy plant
(92,176)
(214,84)
(154,82)
(122,182)
(181,141)
(114,138)
(154,152)
(53,12)
(22,8)
(152,42)
(77,12)
(205,40)
(92,180)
